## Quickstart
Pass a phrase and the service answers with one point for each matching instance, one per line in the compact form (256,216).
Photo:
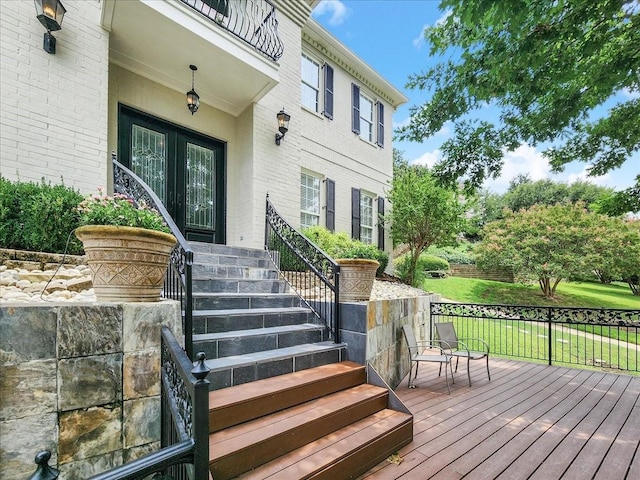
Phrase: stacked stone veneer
(471,271)
(373,332)
(81,380)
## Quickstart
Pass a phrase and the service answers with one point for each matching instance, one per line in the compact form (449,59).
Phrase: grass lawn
(568,294)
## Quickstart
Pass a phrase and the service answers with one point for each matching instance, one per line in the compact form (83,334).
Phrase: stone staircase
(284,403)
(248,323)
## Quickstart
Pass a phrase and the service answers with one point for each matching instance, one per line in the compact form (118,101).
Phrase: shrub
(38,216)
(426,263)
(461,254)
(339,245)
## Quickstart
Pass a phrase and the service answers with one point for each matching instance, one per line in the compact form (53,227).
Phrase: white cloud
(627,92)
(524,160)
(419,40)
(603,181)
(338,11)
(443,18)
(428,158)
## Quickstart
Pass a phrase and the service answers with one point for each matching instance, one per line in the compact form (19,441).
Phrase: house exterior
(117,83)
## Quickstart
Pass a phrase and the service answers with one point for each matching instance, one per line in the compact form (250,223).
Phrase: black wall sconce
(283,125)
(50,13)
(193,99)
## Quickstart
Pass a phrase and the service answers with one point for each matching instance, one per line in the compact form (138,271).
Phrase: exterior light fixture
(193,99)
(50,13)
(283,125)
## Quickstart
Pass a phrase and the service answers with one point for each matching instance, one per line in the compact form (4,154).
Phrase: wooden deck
(531,421)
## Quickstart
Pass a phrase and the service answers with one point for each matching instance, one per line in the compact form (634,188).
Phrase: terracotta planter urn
(127,264)
(356,278)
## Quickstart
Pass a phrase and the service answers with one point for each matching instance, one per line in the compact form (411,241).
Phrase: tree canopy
(551,67)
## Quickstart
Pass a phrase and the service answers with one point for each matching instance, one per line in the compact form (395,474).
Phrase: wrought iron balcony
(253,21)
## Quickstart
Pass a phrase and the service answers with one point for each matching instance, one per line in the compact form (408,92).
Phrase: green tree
(525,193)
(422,213)
(544,243)
(549,67)
(622,254)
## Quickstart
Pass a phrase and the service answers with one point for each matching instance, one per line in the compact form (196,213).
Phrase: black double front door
(184,168)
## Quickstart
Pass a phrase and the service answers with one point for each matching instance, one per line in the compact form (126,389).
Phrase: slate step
(242,342)
(239,404)
(207,271)
(238,449)
(223,285)
(262,261)
(214,321)
(240,369)
(228,301)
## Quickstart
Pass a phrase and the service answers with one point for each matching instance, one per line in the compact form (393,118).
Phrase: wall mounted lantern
(283,125)
(193,99)
(50,13)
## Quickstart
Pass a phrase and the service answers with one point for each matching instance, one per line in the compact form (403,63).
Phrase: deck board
(532,421)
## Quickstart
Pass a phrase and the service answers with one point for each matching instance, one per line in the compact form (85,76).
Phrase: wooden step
(234,405)
(241,448)
(346,453)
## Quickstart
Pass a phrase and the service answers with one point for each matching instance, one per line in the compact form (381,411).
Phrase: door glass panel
(149,158)
(200,186)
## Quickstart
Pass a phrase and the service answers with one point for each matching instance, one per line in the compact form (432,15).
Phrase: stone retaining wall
(81,380)
(471,271)
(373,332)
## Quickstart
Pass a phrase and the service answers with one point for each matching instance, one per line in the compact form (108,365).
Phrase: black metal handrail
(253,21)
(178,280)
(595,337)
(310,272)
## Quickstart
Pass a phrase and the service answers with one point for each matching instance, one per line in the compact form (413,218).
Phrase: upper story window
(317,86)
(366,217)
(309,200)
(367,117)
(310,83)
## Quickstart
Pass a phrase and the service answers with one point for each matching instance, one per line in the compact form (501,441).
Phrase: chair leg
(488,374)
(411,384)
(447,376)
(468,371)
(440,370)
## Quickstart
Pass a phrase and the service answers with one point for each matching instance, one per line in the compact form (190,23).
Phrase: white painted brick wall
(53,108)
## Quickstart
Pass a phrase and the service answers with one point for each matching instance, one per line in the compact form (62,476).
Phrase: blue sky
(387,34)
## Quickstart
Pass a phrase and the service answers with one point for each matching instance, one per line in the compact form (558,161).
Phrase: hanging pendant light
(193,99)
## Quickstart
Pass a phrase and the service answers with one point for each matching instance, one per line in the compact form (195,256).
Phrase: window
(310,83)
(309,200)
(362,117)
(366,118)
(366,217)
(311,87)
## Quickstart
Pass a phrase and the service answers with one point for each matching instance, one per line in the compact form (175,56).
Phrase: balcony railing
(253,21)
(607,339)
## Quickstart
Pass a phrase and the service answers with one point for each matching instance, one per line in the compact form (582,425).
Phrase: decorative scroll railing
(178,280)
(184,431)
(253,21)
(312,274)
(594,337)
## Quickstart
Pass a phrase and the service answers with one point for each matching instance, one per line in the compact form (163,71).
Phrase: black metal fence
(312,274)
(602,338)
(178,280)
(252,21)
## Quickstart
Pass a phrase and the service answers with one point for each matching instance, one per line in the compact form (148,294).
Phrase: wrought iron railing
(184,432)
(603,338)
(178,280)
(310,272)
(253,21)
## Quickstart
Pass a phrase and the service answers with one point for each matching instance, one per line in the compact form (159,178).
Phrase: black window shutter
(331,205)
(355,104)
(380,141)
(355,213)
(328,92)
(381,223)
